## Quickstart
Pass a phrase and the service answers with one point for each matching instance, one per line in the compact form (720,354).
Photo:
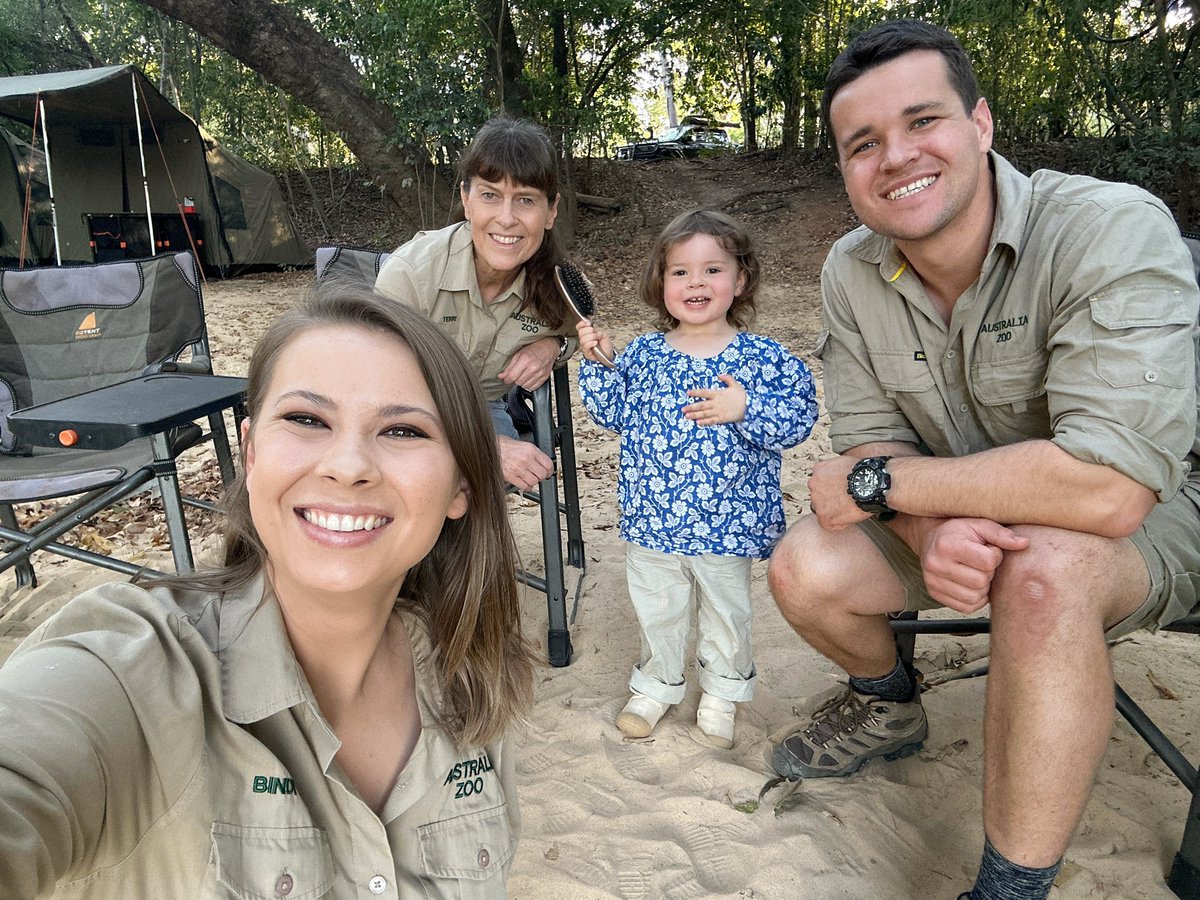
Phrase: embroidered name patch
(270,784)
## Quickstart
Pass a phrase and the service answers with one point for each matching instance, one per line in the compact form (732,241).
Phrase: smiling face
(914,162)
(348,470)
(508,223)
(700,280)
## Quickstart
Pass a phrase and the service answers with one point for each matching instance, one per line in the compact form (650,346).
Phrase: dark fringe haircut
(520,150)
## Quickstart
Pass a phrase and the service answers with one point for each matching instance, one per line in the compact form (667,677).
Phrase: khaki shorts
(1169,541)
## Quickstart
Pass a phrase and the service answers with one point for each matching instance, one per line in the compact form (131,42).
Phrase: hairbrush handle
(578,294)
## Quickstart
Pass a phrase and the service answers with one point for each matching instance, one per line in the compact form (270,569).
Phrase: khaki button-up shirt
(1080,329)
(167,745)
(435,273)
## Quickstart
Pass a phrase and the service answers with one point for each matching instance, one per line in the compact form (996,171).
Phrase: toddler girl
(703,409)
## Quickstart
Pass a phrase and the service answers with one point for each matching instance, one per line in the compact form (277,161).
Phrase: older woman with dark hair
(488,281)
(323,715)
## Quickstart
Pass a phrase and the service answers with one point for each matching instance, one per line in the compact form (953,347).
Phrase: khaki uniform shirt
(167,745)
(435,273)
(1080,329)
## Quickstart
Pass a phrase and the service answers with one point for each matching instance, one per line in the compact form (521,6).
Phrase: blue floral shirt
(691,490)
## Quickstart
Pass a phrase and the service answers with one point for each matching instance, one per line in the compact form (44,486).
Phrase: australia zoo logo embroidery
(1003,328)
(467,776)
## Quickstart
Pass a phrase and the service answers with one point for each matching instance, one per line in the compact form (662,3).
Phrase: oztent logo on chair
(87,328)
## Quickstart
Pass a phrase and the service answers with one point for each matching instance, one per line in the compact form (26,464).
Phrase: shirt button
(284,885)
(484,858)
(1151,376)
(377,885)
(949,354)
(962,407)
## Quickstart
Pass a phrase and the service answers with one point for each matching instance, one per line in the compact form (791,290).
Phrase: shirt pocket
(270,863)
(473,849)
(1136,339)
(901,373)
(1012,397)
(1010,382)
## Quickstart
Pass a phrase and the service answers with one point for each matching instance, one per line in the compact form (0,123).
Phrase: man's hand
(523,464)
(960,557)
(834,508)
(530,366)
(718,406)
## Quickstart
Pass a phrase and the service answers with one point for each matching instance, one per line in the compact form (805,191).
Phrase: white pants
(661,587)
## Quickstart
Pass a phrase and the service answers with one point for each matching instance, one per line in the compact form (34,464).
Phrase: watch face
(863,482)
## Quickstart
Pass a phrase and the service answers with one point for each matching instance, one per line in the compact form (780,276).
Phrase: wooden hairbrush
(578,294)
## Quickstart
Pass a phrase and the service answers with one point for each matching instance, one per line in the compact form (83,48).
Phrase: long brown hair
(522,152)
(465,589)
(726,232)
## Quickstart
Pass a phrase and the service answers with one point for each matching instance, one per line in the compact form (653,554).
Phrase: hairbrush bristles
(578,294)
(575,290)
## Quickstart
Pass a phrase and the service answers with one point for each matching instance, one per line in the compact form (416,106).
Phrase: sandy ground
(670,816)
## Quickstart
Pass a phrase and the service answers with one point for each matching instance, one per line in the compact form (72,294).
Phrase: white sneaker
(715,718)
(640,715)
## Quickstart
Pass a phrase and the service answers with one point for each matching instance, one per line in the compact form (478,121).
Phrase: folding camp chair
(1184,877)
(65,332)
(554,435)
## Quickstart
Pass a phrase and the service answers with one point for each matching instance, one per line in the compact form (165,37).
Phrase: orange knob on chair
(68,437)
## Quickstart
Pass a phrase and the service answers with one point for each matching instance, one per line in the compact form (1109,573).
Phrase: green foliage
(1121,71)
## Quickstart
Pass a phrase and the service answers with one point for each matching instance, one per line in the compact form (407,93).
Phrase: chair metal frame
(1184,877)
(145,460)
(554,431)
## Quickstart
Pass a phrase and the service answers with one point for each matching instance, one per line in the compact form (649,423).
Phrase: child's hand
(718,406)
(593,342)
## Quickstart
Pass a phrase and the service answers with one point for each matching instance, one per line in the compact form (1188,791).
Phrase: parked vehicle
(694,136)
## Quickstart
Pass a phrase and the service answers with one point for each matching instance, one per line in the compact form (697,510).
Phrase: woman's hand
(523,464)
(531,365)
(718,406)
(594,344)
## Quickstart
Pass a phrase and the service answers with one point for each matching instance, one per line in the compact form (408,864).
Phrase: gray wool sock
(1002,879)
(896,685)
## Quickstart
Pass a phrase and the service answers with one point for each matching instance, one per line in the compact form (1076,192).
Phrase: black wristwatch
(563,346)
(868,483)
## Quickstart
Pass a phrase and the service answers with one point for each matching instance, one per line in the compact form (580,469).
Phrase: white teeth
(915,188)
(335,522)
(505,238)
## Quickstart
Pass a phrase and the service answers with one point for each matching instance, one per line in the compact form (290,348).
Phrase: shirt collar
(1014,198)
(259,672)
(459,274)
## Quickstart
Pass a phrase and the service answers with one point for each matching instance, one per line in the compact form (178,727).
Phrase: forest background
(392,90)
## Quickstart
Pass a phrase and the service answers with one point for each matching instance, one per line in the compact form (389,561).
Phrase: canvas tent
(21,168)
(116,147)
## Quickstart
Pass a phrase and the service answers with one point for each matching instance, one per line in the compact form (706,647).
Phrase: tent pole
(137,114)
(50,181)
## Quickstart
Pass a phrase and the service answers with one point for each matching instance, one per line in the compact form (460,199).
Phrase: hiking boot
(846,732)
(640,715)
(715,716)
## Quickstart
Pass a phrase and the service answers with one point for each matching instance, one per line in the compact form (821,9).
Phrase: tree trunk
(506,63)
(290,54)
(561,131)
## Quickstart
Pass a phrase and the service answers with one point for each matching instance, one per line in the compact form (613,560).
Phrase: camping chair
(1184,878)
(65,332)
(550,406)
